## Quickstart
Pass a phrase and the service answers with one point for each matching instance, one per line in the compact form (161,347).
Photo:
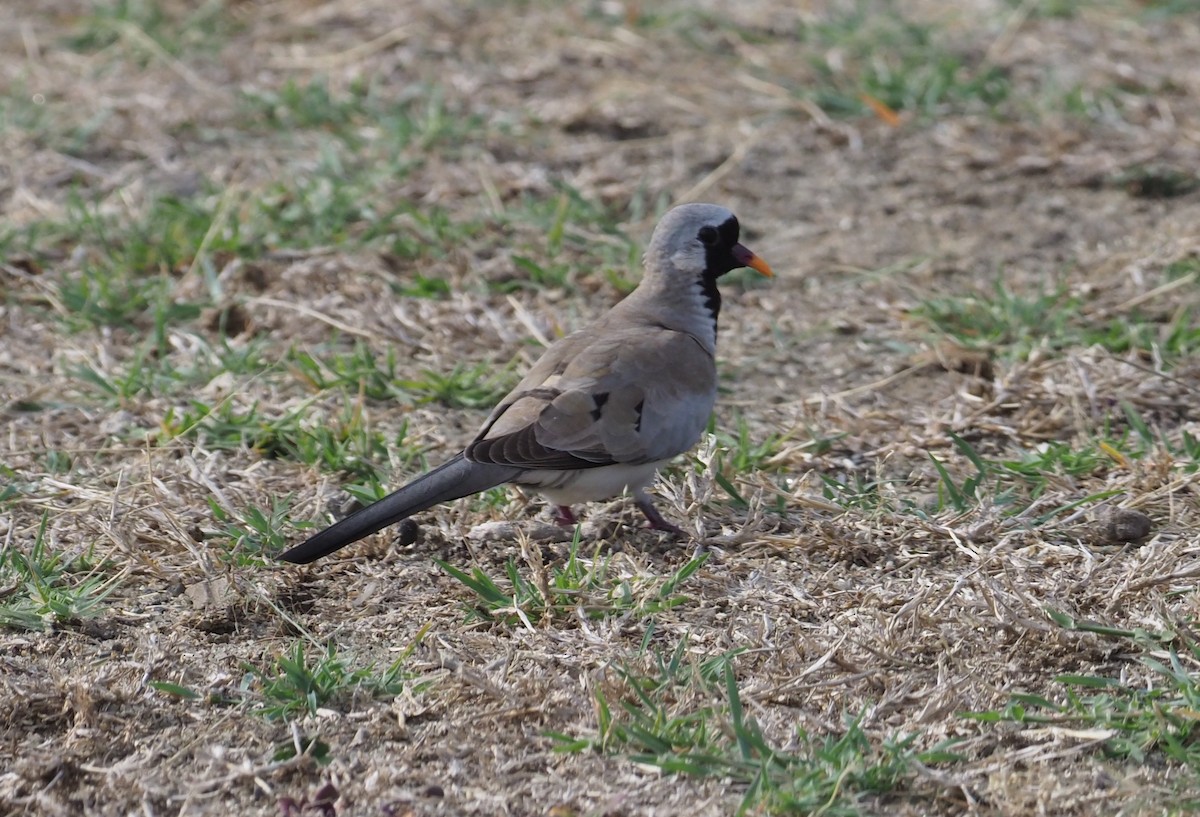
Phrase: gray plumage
(604,407)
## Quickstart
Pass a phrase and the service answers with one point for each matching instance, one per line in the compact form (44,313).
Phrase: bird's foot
(564,516)
(656,519)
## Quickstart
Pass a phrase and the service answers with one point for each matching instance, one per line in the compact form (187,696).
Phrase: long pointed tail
(456,478)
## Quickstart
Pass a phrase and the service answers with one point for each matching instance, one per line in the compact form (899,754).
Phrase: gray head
(699,240)
(692,246)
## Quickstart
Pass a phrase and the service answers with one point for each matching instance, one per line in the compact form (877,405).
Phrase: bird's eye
(707,236)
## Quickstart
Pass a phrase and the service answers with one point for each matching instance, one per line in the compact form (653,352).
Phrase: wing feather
(631,396)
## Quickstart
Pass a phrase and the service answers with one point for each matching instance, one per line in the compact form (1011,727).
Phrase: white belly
(589,484)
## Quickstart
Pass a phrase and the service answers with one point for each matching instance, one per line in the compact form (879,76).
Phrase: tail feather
(453,480)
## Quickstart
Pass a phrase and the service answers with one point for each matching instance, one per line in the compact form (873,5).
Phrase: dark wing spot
(599,399)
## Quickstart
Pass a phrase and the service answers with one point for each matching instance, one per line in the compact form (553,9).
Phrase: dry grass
(220,220)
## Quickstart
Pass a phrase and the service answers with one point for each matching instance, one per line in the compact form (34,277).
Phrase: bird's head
(700,240)
(692,246)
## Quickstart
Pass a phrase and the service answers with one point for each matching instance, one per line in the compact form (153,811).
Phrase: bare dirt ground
(949,265)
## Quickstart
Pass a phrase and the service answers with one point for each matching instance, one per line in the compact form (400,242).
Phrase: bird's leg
(657,522)
(564,516)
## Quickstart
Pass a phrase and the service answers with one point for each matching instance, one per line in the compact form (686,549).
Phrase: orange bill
(748,259)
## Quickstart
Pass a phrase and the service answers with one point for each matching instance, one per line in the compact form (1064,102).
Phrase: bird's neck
(691,308)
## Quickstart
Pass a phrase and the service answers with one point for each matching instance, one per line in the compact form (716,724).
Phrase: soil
(909,619)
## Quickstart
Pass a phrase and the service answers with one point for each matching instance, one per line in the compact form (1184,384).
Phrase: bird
(604,407)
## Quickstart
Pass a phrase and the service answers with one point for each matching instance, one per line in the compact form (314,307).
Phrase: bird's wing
(622,395)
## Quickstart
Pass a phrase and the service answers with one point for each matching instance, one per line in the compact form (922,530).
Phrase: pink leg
(657,522)
(564,516)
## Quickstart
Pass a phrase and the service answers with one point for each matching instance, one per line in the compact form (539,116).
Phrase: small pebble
(408,533)
(1125,525)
